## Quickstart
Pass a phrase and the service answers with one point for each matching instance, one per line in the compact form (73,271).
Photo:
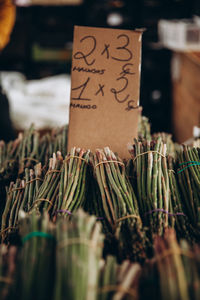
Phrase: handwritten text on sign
(105,85)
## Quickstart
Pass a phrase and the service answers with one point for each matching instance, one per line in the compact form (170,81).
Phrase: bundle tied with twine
(150,175)
(173,272)
(189,182)
(79,250)
(117,207)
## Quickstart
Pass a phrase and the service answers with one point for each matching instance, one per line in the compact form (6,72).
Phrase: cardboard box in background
(186,96)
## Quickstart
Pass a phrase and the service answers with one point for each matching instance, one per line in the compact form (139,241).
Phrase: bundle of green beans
(28,149)
(10,216)
(183,226)
(32,181)
(20,195)
(20,153)
(63,189)
(173,272)
(150,176)
(191,264)
(119,282)
(79,250)
(8,258)
(73,182)
(178,268)
(46,196)
(36,264)
(173,282)
(189,182)
(118,207)
(117,196)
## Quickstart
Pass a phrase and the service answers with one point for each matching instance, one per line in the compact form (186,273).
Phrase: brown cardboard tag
(105,82)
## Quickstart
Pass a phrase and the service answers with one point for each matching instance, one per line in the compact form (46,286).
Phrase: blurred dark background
(41,43)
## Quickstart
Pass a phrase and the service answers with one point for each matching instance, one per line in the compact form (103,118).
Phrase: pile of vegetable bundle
(28,149)
(58,189)
(50,248)
(52,260)
(137,199)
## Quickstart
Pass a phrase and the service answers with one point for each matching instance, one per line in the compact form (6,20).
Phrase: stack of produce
(60,189)
(28,149)
(61,252)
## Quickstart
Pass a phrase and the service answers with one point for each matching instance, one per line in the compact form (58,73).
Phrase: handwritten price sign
(105,85)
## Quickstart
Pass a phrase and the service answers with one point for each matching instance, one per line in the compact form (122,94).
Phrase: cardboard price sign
(105,82)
